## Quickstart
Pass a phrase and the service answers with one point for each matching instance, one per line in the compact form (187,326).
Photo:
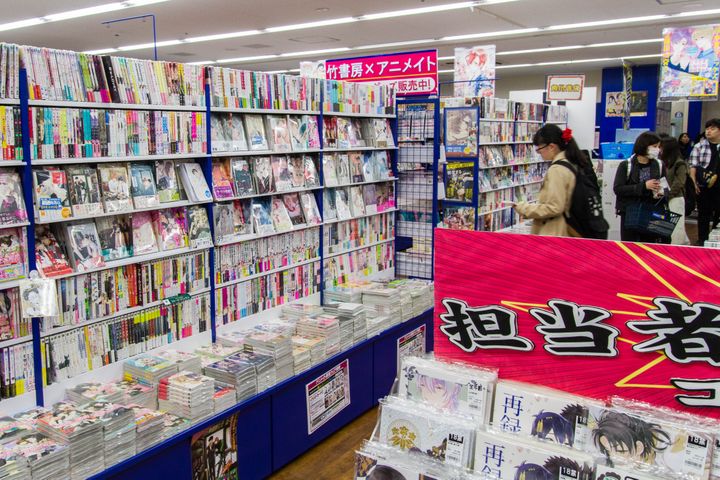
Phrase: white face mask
(653,152)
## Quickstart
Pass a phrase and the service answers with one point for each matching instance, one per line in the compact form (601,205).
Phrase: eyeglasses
(537,150)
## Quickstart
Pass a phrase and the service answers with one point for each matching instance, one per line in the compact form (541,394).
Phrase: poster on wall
(690,63)
(313,69)
(214,451)
(615,104)
(327,395)
(589,317)
(475,71)
(411,344)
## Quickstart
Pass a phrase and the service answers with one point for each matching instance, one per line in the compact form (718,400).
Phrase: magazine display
(52,202)
(115,187)
(84,191)
(167,181)
(263,171)
(143,189)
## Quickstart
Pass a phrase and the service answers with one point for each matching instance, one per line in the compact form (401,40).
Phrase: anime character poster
(615,104)
(214,451)
(690,64)
(475,71)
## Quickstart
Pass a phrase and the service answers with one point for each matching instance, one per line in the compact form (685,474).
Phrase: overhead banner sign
(589,317)
(413,73)
(475,71)
(690,63)
(564,87)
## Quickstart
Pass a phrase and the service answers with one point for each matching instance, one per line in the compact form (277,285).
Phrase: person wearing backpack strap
(554,199)
(704,170)
(677,174)
(637,180)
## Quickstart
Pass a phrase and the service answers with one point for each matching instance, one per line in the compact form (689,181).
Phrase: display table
(273,425)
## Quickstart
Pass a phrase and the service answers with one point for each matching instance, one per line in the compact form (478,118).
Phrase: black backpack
(586,214)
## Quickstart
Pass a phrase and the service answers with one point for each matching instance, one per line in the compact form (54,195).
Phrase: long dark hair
(671,151)
(551,133)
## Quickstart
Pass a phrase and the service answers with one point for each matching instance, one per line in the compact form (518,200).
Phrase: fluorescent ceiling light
(222,36)
(204,62)
(502,33)
(418,11)
(601,23)
(570,62)
(142,46)
(540,50)
(322,23)
(698,13)
(628,42)
(102,51)
(394,44)
(78,13)
(311,53)
(246,59)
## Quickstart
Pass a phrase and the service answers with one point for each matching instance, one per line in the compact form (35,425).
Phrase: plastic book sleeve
(38,296)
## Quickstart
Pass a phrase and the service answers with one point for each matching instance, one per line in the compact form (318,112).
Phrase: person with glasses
(637,180)
(553,203)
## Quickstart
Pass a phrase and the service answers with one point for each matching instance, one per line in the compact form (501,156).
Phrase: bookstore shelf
(9,101)
(134,259)
(510,186)
(15,225)
(269,272)
(355,249)
(138,158)
(10,284)
(391,210)
(15,341)
(485,144)
(392,179)
(160,206)
(360,149)
(366,115)
(269,194)
(12,163)
(256,236)
(508,120)
(121,313)
(513,164)
(264,111)
(262,153)
(495,210)
(115,106)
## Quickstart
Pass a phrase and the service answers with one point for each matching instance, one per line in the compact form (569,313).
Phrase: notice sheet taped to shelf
(327,395)
(411,344)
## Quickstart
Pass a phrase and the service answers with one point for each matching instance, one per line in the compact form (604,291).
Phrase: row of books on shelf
(236,261)
(263,175)
(355,167)
(85,191)
(342,236)
(345,204)
(416,122)
(358,97)
(10,132)
(69,354)
(89,245)
(359,264)
(12,324)
(240,219)
(67,133)
(459,181)
(504,109)
(60,75)
(344,133)
(463,218)
(506,429)
(502,155)
(90,296)
(232,88)
(498,199)
(16,370)
(9,71)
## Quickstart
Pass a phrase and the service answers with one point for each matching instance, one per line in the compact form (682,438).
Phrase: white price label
(696,454)
(454,453)
(476,397)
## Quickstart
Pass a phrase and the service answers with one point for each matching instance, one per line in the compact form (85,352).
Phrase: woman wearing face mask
(637,181)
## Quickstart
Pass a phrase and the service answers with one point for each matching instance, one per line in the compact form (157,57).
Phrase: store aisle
(334,458)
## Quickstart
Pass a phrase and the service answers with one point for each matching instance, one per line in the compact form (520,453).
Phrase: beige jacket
(553,201)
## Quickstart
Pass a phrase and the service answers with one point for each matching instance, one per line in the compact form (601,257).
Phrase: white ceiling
(179,19)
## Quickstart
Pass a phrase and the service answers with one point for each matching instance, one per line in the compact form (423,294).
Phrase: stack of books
(296,311)
(148,369)
(277,345)
(347,324)
(376,325)
(81,431)
(382,301)
(12,429)
(315,345)
(91,391)
(225,396)
(118,429)
(149,425)
(302,359)
(325,327)
(232,339)
(343,293)
(264,368)
(13,466)
(135,393)
(172,424)
(187,394)
(184,361)
(214,352)
(240,374)
(48,459)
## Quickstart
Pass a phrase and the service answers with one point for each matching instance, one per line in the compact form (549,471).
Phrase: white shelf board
(129,158)
(162,206)
(114,106)
(263,111)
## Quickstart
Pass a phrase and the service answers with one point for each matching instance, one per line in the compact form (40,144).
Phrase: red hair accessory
(567,135)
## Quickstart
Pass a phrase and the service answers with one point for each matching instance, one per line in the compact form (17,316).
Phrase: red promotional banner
(414,73)
(594,318)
